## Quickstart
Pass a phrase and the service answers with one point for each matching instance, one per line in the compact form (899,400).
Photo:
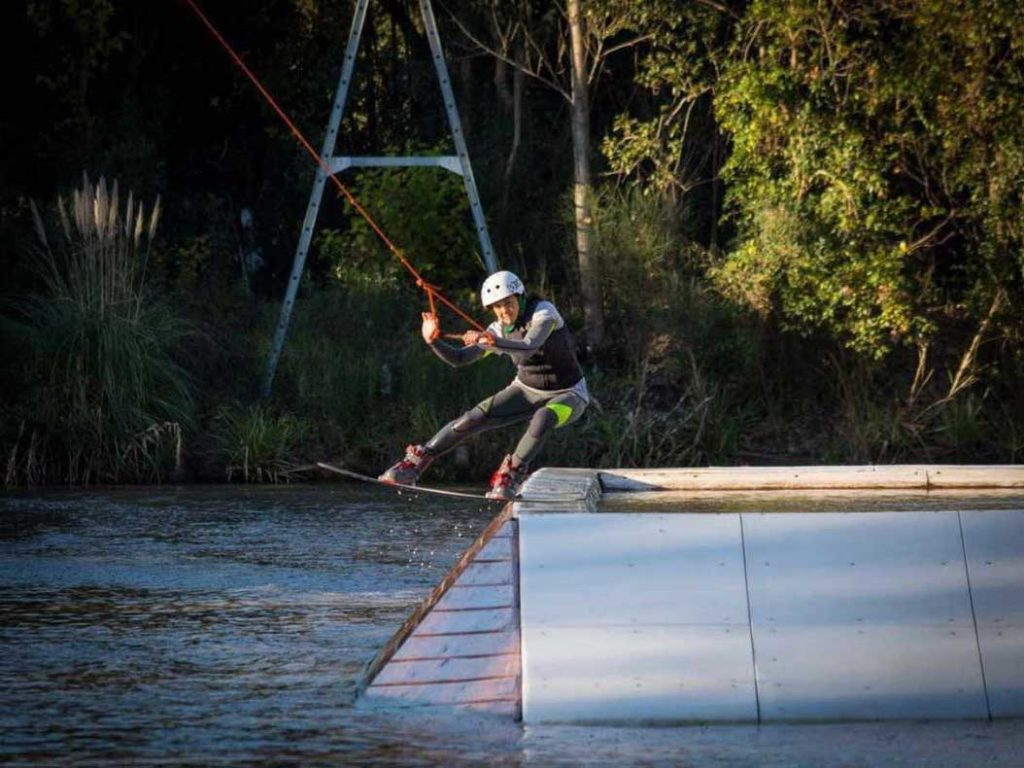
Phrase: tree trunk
(590,275)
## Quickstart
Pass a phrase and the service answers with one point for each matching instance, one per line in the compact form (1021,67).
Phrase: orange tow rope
(431,290)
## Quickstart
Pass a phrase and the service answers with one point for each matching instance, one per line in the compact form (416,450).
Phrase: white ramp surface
(862,616)
(994,542)
(628,617)
(808,616)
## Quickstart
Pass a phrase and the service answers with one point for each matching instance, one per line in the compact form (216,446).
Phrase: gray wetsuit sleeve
(457,356)
(534,338)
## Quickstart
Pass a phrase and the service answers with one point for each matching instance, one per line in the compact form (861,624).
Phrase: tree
(582,191)
(664,140)
(876,172)
(567,49)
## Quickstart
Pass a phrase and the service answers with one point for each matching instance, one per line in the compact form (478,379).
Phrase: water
(229,626)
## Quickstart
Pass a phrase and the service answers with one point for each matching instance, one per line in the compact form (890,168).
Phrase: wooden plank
(462,597)
(452,645)
(993,540)
(423,609)
(477,574)
(448,670)
(505,531)
(486,620)
(508,708)
(783,478)
(464,651)
(505,707)
(498,548)
(500,689)
(980,476)
(764,478)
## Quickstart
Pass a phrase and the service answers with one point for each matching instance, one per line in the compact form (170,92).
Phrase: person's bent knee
(542,422)
(469,421)
(563,413)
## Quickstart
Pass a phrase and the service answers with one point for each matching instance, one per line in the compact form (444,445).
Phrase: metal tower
(458,163)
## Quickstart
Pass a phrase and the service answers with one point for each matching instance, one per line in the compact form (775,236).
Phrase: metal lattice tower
(457,163)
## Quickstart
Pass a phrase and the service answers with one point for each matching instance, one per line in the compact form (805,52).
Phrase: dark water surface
(229,626)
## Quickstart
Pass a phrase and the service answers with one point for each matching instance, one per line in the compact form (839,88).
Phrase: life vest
(554,365)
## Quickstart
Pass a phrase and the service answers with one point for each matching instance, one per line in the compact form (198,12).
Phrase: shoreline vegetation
(805,228)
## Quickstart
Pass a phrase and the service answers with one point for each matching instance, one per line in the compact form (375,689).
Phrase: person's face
(507,310)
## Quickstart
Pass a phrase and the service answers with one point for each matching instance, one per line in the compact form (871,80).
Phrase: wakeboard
(400,487)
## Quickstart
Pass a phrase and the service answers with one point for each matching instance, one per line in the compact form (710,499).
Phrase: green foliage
(659,304)
(875,170)
(424,211)
(357,368)
(683,356)
(85,40)
(663,143)
(859,302)
(254,444)
(106,400)
(643,260)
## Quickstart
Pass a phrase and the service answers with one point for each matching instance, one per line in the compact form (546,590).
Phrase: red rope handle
(430,290)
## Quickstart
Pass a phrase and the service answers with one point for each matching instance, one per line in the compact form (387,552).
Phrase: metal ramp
(762,617)
(682,617)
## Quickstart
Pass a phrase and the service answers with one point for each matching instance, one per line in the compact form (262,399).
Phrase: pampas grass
(111,399)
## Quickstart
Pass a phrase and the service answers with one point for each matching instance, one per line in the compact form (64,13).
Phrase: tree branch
(526,70)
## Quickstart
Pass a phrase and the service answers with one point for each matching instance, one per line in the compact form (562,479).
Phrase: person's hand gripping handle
(484,338)
(431,327)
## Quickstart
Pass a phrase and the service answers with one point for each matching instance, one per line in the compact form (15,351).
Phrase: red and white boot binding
(407,471)
(506,481)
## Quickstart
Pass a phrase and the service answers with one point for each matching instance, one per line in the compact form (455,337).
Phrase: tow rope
(432,291)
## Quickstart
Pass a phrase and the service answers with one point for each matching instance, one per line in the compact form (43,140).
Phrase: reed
(109,400)
(255,444)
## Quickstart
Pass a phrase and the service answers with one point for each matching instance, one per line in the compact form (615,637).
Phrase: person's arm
(541,326)
(456,356)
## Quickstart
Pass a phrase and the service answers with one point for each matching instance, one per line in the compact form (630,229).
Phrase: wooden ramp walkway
(460,648)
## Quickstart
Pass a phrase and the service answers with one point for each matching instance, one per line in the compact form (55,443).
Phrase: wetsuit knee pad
(542,421)
(562,411)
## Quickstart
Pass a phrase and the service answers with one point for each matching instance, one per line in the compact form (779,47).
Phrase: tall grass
(356,368)
(106,401)
(254,444)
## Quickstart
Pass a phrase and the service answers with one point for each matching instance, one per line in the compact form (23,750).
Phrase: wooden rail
(895,476)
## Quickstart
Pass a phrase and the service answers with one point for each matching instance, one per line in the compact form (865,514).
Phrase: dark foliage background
(807,216)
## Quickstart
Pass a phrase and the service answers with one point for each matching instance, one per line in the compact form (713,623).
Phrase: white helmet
(499,286)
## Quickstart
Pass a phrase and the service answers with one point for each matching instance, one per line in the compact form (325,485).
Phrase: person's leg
(558,412)
(548,415)
(508,406)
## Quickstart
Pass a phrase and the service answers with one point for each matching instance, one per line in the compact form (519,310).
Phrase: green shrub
(424,211)
(103,397)
(254,444)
